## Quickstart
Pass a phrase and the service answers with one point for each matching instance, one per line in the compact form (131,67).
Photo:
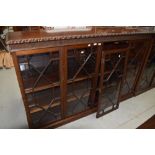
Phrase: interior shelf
(57,102)
(44,85)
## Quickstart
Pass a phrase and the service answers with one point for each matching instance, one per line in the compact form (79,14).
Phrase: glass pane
(148,72)
(81,68)
(78,96)
(135,59)
(113,69)
(40,73)
(39,69)
(45,106)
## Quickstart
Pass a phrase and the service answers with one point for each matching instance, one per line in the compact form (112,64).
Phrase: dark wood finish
(149,124)
(62,75)
(26,28)
(95,79)
(19,41)
(70,119)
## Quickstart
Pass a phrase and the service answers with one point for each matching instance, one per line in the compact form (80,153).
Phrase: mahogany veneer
(149,124)
(66,76)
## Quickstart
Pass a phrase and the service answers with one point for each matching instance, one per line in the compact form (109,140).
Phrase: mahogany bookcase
(65,77)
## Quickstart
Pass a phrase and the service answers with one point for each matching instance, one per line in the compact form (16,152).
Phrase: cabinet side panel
(21,86)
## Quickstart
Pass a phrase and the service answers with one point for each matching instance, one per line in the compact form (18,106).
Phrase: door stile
(96,76)
(63,80)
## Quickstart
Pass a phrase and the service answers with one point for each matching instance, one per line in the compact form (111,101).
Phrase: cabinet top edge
(42,36)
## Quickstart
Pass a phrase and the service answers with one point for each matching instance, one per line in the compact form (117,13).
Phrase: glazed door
(148,73)
(81,68)
(110,81)
(41,81)
(135,60)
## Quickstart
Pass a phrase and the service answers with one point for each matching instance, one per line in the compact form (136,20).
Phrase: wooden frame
(63,82)
(148,51)
(119,54)
(138,58)
(62,47)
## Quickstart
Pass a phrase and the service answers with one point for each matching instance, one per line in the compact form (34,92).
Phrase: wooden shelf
(43,87)
(56,84)
(57,102)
